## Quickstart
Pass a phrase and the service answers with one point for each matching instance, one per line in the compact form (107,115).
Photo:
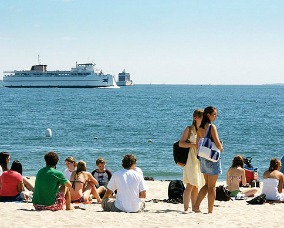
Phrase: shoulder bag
(180,154)
(207,148)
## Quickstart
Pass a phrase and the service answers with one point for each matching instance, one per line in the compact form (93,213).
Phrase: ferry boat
(124,79)
(81,76)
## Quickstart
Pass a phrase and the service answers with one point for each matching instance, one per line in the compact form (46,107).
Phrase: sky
(227,42)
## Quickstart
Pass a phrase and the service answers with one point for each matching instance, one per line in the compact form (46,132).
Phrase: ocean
(144,120)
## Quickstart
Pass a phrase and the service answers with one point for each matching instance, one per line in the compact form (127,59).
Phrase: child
(102,175)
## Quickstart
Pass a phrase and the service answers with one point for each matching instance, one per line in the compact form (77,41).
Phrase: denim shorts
(210,168)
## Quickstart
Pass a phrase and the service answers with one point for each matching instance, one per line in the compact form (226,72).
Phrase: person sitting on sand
(11,186)
(130,187)
(17,166)
(103,175)
(51,191)
(273,181)
(71,164)
(4,161)
(83,185)
(235,176)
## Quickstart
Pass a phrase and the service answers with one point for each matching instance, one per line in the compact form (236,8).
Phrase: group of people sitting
(54,190)
(122,191)
(13,186)
(273,180)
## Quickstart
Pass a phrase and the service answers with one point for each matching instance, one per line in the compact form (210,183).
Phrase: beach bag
(180,154)
(207,148)
(222,193)
(261,199)
(175,190)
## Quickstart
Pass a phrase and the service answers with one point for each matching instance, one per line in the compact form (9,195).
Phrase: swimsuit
(270,188)
(81,199)
(231,178)
(235,193)
(58,205)
(74,182)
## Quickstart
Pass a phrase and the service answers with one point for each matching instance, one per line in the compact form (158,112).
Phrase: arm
(198,136)
(183,140)
(281,180)
(91,178)
(20,186)
(68,184)
(109,174)
(227,177)
(215,137)
(142,194)
(244,180)
(108,194)
(28,184)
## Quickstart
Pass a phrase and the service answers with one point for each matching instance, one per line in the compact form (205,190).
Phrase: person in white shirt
(131,188)
(71,165)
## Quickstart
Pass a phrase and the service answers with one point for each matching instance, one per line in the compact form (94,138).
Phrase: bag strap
(207,135)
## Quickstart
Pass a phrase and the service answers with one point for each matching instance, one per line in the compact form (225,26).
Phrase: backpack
(261,199)
(175,189)
(223,193)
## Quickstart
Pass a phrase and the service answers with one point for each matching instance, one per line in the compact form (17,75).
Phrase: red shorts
(58,205)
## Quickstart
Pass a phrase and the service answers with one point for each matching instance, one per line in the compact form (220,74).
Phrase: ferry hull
(69,82)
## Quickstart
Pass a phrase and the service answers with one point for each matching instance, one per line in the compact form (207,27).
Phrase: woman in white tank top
(273,181)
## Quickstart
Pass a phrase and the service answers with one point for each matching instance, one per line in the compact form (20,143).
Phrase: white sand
(235,213)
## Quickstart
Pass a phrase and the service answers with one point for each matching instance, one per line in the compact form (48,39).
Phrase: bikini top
(76,181)
(231,178)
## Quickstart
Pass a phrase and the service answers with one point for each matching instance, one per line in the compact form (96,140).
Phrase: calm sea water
(144,120)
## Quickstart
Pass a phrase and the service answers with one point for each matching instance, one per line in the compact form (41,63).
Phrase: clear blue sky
(157,41)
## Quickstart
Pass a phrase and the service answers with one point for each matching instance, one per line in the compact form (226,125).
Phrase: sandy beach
(236,213)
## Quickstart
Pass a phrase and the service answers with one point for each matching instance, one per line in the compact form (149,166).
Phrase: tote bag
(207,148)
(180,154)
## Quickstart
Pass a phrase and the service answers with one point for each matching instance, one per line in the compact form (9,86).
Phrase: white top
(129,184)
(1,170)
(67,173)
(270,188)
(139,170)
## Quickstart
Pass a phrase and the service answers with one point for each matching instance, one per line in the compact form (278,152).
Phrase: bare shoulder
(279,175)
(240,169)
(266,174)
(190,128)
(213,127)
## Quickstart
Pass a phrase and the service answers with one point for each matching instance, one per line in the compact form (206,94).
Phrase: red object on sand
(251,174)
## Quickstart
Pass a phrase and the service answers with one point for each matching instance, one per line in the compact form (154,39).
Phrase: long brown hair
(274,164)
(205,119)
(196,114)
(238,161)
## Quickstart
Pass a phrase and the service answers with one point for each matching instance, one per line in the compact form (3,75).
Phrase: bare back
(234,177)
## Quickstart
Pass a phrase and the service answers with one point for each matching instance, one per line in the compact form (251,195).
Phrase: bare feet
(196,210)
